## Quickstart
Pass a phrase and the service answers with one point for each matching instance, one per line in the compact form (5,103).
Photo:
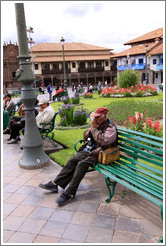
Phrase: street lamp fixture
(64,67)
(30,41)
(146,79)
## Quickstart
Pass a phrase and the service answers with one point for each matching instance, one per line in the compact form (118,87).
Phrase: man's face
(100,119)
(44,105)
(7,98)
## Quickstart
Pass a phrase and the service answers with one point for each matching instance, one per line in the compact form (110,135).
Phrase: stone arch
(38,80)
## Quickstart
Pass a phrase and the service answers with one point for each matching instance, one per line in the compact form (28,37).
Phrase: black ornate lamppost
(64,67)
(33,155)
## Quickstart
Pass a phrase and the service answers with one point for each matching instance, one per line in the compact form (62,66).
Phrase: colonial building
(83,62)
(10,65)
(145,56)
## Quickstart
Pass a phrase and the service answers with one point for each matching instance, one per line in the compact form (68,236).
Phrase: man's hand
(94,124)
(40,109)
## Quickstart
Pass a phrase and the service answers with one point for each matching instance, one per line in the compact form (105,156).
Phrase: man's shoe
(12,141)
(49,186)
(21,147)
(18,138)
(9,139)
(64,198)
(6,131)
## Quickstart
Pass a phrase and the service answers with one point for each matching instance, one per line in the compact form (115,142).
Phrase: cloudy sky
(104,23)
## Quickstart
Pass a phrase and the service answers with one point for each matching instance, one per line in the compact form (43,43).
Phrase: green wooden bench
(44,131)
(16,93)
(13,111)
(60,95)
(140,167)
(161,87)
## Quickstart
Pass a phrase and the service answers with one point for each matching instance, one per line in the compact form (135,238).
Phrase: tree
(128,78)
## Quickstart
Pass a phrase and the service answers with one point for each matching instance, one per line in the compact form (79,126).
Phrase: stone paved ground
(30,214)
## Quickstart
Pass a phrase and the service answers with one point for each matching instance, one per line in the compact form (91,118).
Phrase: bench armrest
(48,123)
(79,141)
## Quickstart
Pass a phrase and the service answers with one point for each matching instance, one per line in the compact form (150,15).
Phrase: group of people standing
(50,89)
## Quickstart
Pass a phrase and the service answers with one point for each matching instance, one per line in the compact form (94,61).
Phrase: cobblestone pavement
(30,214)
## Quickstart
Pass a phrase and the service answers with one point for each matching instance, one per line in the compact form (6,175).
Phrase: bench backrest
(142,153)
(51,125)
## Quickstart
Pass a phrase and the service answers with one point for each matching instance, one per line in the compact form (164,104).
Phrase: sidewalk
(31,215)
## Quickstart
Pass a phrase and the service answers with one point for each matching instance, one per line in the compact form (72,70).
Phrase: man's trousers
(74,171)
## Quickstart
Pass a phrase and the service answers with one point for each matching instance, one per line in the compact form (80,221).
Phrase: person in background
(8,104)
(42,86)
(46,112)
(99,85)
(82,85)
(49,90)
(102,133)
(90,88)
(112,83)
(14,119)
(16,124)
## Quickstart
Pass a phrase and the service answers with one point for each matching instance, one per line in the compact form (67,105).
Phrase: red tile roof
(67,46)
(151,36)
(157,50)
(70,58)
(135,50)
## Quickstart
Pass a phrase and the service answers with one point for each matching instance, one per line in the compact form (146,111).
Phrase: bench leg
(161,238)
(110,184)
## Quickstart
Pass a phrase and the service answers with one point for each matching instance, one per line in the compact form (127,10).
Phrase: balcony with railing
(94,69)
(132,66)
(55,71)
(159,66)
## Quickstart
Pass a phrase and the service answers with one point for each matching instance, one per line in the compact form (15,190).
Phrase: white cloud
(105,23)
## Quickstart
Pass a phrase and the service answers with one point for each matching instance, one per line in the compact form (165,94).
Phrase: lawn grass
(69,137)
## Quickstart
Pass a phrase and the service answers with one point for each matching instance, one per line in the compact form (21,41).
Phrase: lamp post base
(34,158)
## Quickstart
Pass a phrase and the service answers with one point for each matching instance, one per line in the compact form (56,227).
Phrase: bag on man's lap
(109,155)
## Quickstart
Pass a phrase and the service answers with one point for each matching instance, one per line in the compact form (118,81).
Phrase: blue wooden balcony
(132,66)
(159,66)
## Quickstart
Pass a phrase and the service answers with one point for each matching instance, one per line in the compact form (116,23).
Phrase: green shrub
(80,116)
(128,78)
(154,93)
(69,115)
(127,94)
(66,114)
(115,80)
(139,94)
(75,99)
(66,100)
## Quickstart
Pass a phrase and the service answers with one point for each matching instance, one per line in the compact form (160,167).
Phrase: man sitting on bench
(102,133)
(46,113)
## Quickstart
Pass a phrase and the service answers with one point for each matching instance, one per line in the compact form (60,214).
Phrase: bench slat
(140,192)
(120,130)
(131,180)
(148,169)
(146,177)
(140,139)
(141,157)
(142,152)
(147,147)
(142,179)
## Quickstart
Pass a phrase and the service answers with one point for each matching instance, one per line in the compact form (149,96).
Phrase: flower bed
(133,91)
(71,115)
(87,95)
(146,125)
